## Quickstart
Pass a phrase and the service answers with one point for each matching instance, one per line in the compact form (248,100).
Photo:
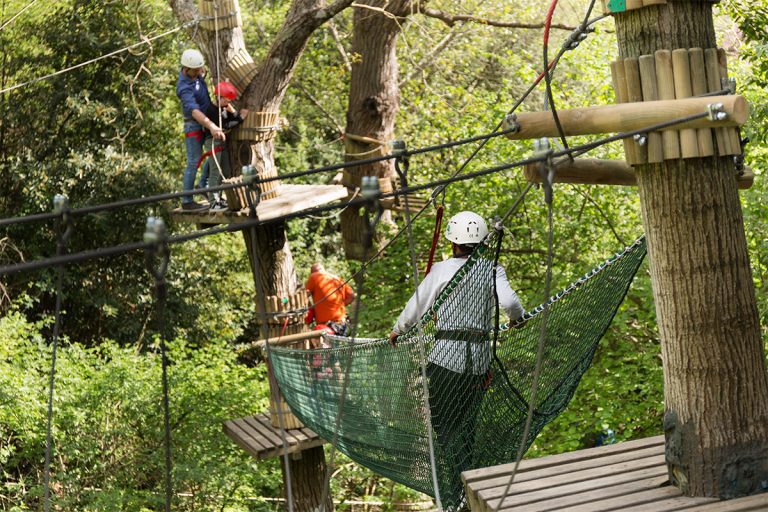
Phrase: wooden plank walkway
(257,436)
(620,477)
(290,199)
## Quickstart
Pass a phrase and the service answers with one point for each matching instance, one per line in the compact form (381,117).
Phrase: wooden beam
(593,171)
(290,338)
(629,116)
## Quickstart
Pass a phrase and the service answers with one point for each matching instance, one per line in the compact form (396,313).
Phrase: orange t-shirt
(333,307)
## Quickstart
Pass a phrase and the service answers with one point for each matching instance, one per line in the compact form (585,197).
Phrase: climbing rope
(157,240)
(64,233)
(403,173)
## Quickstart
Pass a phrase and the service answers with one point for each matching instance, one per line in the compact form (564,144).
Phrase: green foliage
(112,130)
(108,424)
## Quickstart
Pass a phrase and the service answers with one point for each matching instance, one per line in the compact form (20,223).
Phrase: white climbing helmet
(466,228)
(192,59)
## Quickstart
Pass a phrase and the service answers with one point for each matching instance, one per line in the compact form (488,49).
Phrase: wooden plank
(475,475)
(615,471)
(265,431)
(745,504)
(290,199)
(245,438)
(654,499)
(603,487)
(569,468)
(266,422)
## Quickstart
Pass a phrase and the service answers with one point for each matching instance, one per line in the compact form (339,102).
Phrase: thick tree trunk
(716,386)
(374,100)
(268,248)
(307,476)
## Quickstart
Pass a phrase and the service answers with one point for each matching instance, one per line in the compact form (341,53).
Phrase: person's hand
(218,133)
(393,338)
(244,112)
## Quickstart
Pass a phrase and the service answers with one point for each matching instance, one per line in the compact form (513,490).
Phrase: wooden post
(651,93)
(593,171)
(699,88)
(630,116)
(716,384)
(666,86)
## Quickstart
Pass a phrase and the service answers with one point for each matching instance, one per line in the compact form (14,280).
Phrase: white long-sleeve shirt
(471,309)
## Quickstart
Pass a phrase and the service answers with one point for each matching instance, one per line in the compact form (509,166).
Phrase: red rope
(435,238)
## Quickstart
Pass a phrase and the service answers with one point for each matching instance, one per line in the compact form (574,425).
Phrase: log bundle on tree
(716,385)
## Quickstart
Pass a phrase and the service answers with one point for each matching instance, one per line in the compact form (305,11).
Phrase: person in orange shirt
(330,297)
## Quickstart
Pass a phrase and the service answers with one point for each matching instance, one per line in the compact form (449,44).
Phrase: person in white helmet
(195,101)
(458,364)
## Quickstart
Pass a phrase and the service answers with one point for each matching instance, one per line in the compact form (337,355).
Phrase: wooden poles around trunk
(716,384)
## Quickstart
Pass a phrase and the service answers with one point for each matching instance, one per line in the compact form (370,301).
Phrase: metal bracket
(65,226)
(248,173)
(716,112)
(641,138)
(542,149)
(728,83)
(510,123)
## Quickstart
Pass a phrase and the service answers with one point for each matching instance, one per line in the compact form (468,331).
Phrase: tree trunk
(268,249)
(307,477)
(374,100)
(716,387)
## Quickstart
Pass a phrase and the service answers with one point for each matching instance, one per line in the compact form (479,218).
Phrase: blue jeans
(210,175)
(194,146)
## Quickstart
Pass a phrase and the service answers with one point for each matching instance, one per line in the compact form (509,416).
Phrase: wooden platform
(621,477)
(257,436)
(290,199)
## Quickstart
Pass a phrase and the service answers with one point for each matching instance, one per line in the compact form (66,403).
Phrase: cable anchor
(728,84)
(250,180)
(156,236)
(64,224)
(543,150)
(510,123)
(369,190)
(716,112)
(641,138)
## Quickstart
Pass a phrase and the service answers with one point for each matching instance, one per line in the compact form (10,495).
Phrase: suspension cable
(110,54)
(30,4)
(65,229)
(125,248)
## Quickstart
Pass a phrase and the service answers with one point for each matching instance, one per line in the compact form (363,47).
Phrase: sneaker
(219,206)
(194,206)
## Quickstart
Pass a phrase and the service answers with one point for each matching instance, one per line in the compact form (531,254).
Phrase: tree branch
(451,19)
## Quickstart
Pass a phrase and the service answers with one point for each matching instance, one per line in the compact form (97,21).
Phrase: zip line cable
(176,195)
(110,54)
(125,248)
(30,4)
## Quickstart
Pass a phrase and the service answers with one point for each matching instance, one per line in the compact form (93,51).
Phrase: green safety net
(369,397)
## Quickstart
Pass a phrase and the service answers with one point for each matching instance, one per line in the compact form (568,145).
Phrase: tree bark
(307,478)
(715,381)
(374,101)
(268,248)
